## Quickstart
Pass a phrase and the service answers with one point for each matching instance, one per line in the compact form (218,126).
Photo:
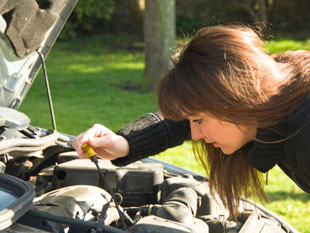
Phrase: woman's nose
(196,132)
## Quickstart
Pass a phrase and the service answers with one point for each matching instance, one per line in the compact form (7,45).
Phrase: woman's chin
(227,151)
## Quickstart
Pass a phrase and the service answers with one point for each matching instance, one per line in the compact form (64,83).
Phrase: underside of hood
(28,28)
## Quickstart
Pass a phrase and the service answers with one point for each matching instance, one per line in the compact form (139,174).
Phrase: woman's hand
(105,143)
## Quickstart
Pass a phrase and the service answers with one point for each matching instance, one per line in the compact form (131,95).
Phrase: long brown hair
(223,70)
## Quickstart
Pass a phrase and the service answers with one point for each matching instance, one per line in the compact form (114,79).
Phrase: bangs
(176,98)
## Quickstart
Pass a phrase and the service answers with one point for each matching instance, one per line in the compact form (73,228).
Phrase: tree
(159,38)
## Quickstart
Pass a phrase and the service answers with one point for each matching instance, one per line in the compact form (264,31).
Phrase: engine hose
(179,206)
(71,221)
(27,144)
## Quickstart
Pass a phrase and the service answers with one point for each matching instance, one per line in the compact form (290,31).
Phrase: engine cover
(138,183)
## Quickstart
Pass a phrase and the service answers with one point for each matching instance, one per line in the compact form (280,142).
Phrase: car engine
(70,194)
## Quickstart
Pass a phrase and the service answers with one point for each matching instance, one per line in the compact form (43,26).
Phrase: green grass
(281,45)
(90,83)
(101,80)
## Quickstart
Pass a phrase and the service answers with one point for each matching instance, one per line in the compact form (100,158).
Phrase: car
(45,186)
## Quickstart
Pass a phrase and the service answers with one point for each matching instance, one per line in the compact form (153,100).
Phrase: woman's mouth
(215,144)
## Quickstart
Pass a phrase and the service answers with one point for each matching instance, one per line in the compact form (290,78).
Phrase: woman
(246,111)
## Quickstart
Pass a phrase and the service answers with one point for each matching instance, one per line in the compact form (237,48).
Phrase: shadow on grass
(281,195)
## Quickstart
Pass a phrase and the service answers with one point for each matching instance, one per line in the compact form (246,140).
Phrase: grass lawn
(99,80)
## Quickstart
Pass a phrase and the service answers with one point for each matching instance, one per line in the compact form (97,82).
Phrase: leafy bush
(88,17)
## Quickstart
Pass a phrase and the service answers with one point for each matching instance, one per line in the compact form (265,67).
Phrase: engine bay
(147,196)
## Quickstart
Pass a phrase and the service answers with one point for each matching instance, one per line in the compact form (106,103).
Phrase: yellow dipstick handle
(89,151)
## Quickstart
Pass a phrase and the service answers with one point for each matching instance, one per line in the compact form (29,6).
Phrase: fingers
(96,131)
(105,143)
(77,142)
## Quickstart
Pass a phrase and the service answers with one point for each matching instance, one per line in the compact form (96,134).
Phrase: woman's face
(227,136)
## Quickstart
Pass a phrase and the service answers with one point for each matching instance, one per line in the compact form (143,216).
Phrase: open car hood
(27,29)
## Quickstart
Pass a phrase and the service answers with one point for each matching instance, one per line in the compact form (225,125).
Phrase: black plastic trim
(25,194)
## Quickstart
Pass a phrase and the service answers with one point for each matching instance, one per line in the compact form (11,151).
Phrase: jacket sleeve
(150,135)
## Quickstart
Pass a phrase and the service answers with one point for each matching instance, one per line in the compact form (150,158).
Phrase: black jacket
(291,155)
(152,134)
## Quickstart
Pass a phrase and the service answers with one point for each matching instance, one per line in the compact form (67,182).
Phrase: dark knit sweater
(152,134)
(291,155)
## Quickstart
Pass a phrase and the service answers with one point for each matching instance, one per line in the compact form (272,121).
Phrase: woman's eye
(198,121)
